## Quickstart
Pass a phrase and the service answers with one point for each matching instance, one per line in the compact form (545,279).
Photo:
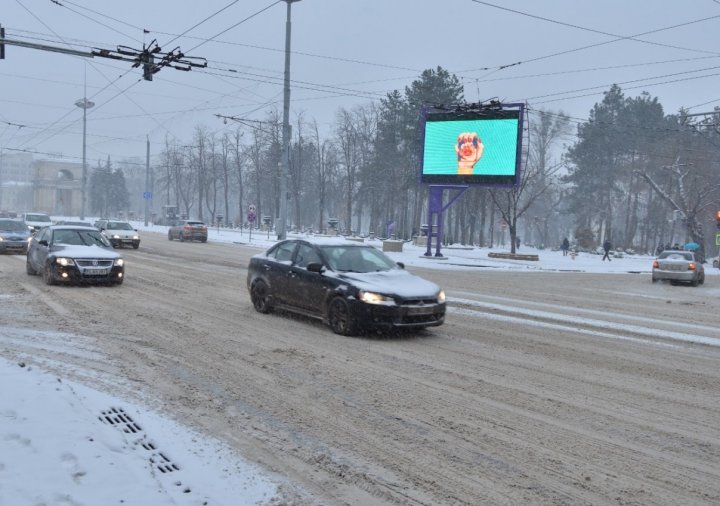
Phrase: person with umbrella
(693,246)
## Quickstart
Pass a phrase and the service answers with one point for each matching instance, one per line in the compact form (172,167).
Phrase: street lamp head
(84,103)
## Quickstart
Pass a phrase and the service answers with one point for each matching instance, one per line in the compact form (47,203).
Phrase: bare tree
(691,194)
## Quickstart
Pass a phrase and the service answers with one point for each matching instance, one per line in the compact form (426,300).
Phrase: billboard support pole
(435,213)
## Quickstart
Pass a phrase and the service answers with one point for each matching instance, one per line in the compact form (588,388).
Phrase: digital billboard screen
(472,147)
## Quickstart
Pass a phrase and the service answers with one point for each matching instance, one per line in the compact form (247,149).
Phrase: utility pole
(285,156)
(148,192)
(84,104)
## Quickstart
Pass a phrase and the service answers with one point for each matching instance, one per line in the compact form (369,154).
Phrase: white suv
(36,221)
(119,233)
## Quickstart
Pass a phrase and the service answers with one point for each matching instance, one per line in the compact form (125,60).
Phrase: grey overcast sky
(559,55)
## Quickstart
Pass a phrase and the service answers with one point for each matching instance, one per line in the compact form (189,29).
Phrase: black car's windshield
(80,238)
(13,226)
(357,259)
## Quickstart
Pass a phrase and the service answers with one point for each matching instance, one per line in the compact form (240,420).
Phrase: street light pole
(84,104)
(285,156)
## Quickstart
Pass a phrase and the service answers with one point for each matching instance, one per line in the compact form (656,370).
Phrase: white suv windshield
(37,217)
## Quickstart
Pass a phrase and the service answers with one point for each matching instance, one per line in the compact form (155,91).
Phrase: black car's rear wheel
(260,296)
(339,317)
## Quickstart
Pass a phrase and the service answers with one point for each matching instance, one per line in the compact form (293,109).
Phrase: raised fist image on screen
(469,149)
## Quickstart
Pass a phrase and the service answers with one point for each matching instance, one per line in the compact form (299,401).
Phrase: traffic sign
(717,239)
(147,195)
(251,213)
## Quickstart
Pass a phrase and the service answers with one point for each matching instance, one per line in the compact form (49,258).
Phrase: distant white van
(36,221)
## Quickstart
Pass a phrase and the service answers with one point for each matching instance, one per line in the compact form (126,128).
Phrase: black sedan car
(350,286)
(73,255)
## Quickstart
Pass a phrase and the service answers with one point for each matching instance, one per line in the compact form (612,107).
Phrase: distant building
(16,172)
(57,187)
(48,186)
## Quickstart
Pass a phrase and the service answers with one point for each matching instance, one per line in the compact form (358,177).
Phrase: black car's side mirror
(315,267)
(43,242)
(401,265)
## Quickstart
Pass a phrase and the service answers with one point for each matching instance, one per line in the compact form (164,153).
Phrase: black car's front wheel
(29,268)
(260,296)
(48,276)
(339,317)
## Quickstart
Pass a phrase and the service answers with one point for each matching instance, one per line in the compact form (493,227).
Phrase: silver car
(678,266)
(14,236)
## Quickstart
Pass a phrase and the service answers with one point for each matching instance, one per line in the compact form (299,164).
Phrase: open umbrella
(691,246)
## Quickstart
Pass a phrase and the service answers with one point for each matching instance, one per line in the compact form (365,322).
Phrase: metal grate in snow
(120,419)
(117,417)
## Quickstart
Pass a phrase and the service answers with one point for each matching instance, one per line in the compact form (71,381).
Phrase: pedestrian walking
(607,247)
(565,246)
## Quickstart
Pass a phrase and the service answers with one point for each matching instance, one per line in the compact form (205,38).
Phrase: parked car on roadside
(119,233)
(36,221)
(188,230)
(74,255)
(678,266)
(350,286)
(14,236)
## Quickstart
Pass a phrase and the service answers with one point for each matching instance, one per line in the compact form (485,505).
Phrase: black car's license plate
(95,272)
(421,310)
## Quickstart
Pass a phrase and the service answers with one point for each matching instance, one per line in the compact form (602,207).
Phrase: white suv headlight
(64,261)
(119,262)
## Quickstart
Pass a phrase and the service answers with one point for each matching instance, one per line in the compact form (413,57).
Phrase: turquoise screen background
(499,136)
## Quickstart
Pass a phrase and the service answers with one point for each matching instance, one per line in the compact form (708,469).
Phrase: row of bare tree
(624,174)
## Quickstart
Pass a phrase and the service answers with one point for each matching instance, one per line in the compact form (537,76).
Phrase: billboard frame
(492,110)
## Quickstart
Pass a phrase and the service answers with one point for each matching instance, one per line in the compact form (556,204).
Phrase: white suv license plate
(95,272)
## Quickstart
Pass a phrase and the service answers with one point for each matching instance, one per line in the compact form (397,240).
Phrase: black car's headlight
(375,298)
(441,296)
(119,262)
(64,261)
